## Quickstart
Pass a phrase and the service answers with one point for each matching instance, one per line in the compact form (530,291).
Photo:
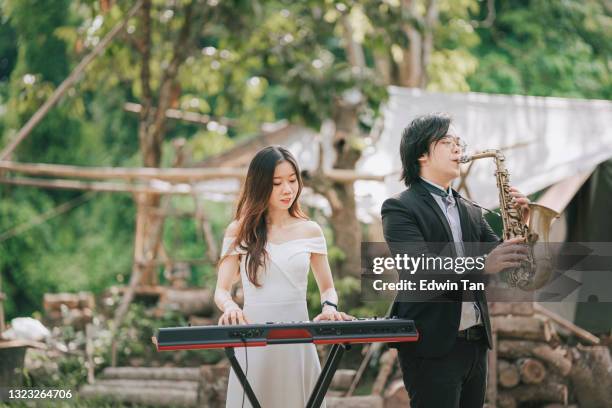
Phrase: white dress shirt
(470,313)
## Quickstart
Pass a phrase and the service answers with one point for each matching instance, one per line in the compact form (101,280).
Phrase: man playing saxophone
(447,367)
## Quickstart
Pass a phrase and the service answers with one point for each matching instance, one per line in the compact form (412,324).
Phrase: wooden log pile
(535,363)
(192,303)
(188,302)
(536,366)
(69,309)
(336,395)
(341,382)
(203,386)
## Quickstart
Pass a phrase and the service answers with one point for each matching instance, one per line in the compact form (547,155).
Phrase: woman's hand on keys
(330,313)
(233,315)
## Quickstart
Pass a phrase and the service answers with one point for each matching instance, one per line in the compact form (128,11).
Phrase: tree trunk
(431,18)
(347,230)
(382,63)
(151,157)
(354,50)
(152,127)
(341,195)
(410,66)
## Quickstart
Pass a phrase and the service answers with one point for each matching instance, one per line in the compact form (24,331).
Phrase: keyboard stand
(320,388)
(229,352)
(327,373)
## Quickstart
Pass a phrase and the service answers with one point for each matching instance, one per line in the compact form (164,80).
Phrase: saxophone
(534,272)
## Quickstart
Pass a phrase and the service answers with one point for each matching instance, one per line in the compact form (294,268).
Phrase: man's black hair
(416,139)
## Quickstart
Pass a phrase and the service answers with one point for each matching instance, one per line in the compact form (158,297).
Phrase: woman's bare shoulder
(310,229)
(232,229)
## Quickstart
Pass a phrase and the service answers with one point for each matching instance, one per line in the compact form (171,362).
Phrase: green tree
(327,60)
(546,48)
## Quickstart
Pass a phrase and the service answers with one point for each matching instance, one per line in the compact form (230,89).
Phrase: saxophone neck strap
(476,205)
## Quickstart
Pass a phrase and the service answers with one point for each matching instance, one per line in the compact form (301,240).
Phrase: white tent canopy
(546,140)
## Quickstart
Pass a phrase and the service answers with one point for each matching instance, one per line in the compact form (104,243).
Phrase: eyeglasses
(453,142)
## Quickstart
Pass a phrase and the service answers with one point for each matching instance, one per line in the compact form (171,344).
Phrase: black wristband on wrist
(327,302)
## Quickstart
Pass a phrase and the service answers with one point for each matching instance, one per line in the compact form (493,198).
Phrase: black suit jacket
(414,217)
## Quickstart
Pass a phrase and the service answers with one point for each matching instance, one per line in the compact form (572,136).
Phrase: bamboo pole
(204,227)
(2,296)
(349,176)
(167,174)
(165,260)
(579,332)
(129,174)
(67,83)
(373,348)
(89,350)
(98,186)
(192,117)
(126,299)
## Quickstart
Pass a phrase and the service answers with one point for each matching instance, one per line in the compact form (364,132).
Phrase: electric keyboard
(340,334)
(258,335)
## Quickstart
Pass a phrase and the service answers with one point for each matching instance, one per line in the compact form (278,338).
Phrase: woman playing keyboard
(270,247)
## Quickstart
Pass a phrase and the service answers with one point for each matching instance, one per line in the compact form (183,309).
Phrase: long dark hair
(252,209)
(416,139)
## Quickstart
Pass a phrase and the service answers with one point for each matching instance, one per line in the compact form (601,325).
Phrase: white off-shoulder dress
(282,376)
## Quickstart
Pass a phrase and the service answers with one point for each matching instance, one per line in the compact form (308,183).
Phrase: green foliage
(134,341)
(48,257)
(451,61)
(250,62)
(546,48)
(58,254)
(64,364)
(443,79)
(75,402)
(303,59)
(22,278)
(8,50)
(36,36)
(206,143)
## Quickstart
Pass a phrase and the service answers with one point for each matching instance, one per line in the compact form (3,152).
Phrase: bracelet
(327,302)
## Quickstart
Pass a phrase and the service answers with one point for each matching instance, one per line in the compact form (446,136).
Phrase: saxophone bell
(537,270)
